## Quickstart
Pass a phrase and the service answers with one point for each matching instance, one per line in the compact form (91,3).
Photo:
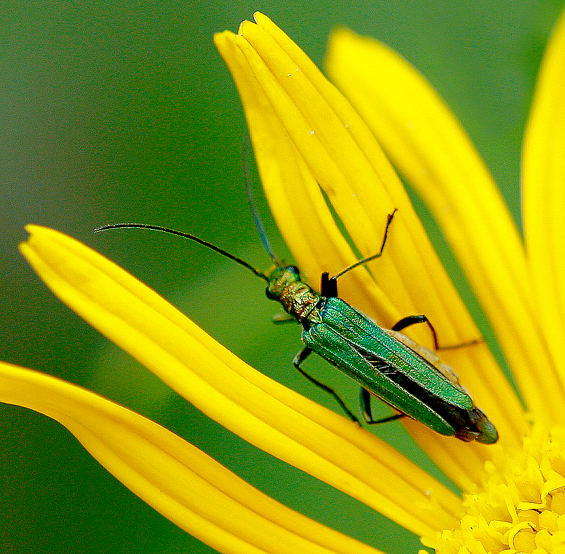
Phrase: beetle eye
(269,294)
(294,269)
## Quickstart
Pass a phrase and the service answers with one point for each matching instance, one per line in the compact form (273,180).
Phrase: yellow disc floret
(520,507)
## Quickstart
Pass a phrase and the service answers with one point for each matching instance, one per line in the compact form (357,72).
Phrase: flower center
(521,505)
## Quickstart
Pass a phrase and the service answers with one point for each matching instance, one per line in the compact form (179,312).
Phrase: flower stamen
(521,504)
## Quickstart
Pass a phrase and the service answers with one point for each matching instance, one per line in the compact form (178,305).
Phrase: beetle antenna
(186,236)
(245,155)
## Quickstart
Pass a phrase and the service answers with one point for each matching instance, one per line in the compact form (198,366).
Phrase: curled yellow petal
(427,144)
(171,475)
(544,193)
(248,403)
(288,101)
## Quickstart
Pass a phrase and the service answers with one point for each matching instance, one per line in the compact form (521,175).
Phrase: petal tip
(260,17)
(221,38)
(31,228)
(341,31)
(245,25)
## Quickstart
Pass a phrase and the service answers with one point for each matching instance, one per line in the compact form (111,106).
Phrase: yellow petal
(287,100)
(427,144)
(251,405)
(544,193)
(294,195)
(172,475)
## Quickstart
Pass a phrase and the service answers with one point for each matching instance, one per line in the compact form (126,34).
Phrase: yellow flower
(314,150)
(308,137)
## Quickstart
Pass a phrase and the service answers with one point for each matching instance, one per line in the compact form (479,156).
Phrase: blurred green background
(123,111)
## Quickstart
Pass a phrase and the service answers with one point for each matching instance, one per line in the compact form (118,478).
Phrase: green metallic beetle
(384,362)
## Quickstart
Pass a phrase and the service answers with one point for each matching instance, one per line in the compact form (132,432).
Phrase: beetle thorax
(299,300)
(296,297)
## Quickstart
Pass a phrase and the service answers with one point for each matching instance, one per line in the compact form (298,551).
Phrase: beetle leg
(283,318)
(365,407)
(328,287)
(362,261)
(413,319)
(298,359)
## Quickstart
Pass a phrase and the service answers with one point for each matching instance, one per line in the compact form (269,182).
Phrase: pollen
(520,506)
